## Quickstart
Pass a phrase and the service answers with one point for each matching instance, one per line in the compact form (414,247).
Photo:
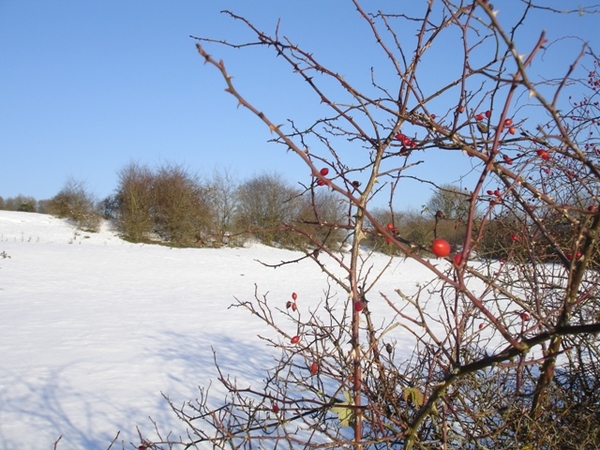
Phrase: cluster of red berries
(314,367)
(486,115)
(407,142)
(496,196)
(292,304)
(508,123)
(544,154)
(324,172)
(390,226)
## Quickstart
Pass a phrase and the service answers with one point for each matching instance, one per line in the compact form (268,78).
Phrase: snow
(93,328)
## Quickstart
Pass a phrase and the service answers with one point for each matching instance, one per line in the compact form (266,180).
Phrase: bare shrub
(75,203)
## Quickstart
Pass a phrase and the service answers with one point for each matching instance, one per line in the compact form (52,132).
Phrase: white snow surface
(93,328)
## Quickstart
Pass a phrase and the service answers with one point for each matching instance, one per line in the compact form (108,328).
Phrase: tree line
(170,205)
(173,206)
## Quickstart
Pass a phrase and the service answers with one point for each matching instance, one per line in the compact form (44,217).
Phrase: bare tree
(266,204)
(222,195)
(316,224)
(449,202)
(504,351)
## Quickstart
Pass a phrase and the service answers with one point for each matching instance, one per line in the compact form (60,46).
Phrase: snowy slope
(93,328)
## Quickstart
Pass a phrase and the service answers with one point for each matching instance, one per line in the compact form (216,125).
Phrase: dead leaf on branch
(344,410)
(413,395)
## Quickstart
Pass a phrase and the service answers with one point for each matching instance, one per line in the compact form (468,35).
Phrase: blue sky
(88,86)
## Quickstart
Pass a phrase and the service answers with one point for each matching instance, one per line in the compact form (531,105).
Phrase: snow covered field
(93,328)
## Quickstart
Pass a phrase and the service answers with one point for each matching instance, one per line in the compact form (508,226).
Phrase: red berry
(461,109)
(433,116)
(479,117)
(490,192)
(314,368)
(295,339)
(288,305)
(324,171)
(507,160)
(592,208)
(497,193)
(359,306)
(488,114)
(390,226)
(320,182)
(481,326)
(294,307)
(514,237)
(524,316)
(440,247)
(508,122)
(275,409)
(400,137)
(458,259)
(544,154)
(512,130)
(294,296)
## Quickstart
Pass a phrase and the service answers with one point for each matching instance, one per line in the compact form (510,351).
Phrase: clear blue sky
(88,86)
